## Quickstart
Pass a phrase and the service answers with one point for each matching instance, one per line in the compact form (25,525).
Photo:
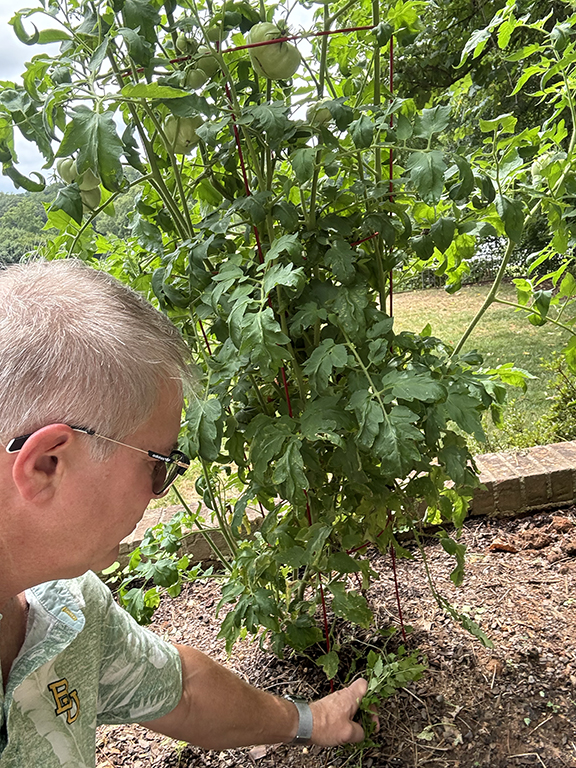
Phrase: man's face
(114,493)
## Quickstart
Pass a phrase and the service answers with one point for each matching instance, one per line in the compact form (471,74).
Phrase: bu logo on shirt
(66,701)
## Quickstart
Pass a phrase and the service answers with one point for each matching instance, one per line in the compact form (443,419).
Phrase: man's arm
(218,710)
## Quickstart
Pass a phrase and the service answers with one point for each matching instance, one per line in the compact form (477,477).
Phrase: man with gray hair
(92,380)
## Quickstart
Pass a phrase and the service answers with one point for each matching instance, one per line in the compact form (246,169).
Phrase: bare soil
(507,707)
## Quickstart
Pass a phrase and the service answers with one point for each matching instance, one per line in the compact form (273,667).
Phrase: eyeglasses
(166,469)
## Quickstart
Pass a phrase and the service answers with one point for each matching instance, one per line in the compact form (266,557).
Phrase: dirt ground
(507,707)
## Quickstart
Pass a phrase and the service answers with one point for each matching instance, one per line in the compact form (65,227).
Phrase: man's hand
(333,715)
(218,710)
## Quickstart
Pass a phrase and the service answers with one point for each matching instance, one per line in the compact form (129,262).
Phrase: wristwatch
(305,721)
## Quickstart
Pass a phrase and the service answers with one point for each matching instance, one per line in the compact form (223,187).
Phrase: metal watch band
(305,721)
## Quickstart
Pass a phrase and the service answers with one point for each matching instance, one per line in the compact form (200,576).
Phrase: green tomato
(88,180)
(68,171)
(318,114)
(186,44)
(214,34)
(195,78)
(539,167)
(181,133)
(259,33)
(91,198)
(207,61)
(276,62)
(66,168)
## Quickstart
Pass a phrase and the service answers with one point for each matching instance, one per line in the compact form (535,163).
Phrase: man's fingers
(358,690)
(357,734)
(334,716)
(374,717)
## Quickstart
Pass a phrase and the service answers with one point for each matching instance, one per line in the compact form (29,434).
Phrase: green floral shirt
(84,662)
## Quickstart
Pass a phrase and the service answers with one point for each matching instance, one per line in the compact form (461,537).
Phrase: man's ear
(39,465)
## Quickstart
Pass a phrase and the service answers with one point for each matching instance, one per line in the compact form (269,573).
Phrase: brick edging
(513,483)
(516,482)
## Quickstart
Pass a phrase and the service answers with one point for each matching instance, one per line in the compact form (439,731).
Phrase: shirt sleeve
(140,674)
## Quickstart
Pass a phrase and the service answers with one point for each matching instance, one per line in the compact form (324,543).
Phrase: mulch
(510,706)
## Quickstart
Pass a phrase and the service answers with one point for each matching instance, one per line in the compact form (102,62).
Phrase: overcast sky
(13,55)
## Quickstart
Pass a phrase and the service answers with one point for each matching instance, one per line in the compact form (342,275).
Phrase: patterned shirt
(84,662)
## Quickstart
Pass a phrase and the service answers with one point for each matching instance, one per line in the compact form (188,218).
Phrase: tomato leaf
(442,233)
(141,15)
(383,32)
(68,200)
(263,341)
(289,470)
(362,132)
(329,663)
(327,357)
(99,147)
(397,441)
(21,34)
(431,121)
(152,91)
(302,161)
(343,563)
(350,605)
(204,427)
(427,174)
(512,214)
(341,258)
(464,188)
(47,36)
(20,180)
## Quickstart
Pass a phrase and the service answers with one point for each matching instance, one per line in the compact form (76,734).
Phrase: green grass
(503,335)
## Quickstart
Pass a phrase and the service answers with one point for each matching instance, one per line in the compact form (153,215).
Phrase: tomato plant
(278,195)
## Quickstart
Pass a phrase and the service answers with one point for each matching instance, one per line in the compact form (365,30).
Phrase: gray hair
(78,347)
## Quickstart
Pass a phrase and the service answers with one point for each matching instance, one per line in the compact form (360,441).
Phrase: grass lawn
(503,335)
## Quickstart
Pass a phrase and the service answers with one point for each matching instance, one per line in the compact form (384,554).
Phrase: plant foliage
(270,214)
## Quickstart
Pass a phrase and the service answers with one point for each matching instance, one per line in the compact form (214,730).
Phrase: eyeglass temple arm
(17,443)
(152,454)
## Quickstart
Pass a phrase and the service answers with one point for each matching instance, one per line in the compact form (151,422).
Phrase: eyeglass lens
(165,473)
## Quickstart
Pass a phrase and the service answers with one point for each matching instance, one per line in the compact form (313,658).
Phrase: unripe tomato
(195,78)
(318,114)
(213,34)
(66,168)
(88,180)
(68,171)
(91,198)
(263,31)
(181,133)
(541,163)
(207,61)
(276,62)
(186,44)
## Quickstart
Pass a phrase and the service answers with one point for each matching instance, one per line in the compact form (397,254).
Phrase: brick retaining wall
(515,482)
(525,481)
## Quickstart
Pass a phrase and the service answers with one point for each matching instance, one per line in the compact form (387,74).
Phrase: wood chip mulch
(507,707)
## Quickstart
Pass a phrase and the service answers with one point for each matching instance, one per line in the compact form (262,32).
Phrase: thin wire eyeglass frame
(178,460)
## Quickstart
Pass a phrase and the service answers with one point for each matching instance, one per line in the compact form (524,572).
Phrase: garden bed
(510,706)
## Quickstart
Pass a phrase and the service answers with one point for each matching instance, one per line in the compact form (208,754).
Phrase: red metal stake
(391,162)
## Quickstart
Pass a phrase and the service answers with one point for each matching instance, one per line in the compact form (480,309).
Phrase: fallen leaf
(562,524)
(499,545)
(257,753)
